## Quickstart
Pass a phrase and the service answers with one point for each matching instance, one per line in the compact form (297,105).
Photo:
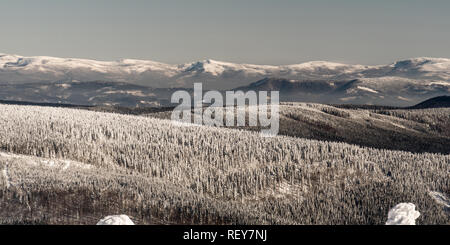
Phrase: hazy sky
(245,31)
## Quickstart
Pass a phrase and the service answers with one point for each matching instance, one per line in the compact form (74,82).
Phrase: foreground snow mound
(403,214)
(116,220)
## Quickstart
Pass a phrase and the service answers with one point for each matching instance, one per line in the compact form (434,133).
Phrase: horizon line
(215,60)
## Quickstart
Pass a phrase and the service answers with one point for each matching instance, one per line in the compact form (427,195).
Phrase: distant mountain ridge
(214,74)
(87,93)
(131,82)
(386,91)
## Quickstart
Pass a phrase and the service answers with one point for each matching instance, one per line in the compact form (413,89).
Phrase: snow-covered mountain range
(217,74)
(409,80)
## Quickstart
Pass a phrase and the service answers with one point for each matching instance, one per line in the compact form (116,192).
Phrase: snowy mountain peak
(424,67)
(420,62)
(209,66)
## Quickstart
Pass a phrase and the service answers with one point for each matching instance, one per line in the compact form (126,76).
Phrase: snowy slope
(15,69)
(214,74)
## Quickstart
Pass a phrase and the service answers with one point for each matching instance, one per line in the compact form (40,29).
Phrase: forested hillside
(418,130)
(78,166)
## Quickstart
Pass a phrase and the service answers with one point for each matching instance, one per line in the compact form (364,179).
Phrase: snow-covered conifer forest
(72,166)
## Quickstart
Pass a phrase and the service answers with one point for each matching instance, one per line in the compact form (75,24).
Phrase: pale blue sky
(245,31)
